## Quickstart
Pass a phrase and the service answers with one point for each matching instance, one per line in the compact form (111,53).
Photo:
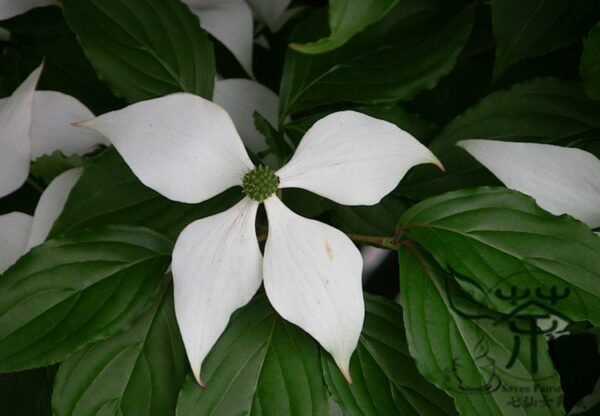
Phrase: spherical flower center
(260,183)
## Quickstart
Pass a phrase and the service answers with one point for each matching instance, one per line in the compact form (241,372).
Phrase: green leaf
(385,378)
(47,167)
(468,355)
(43,34)
(496,240)
(109,193)
(138,372)
(71,291)
(589,67)
(261,365)
(525,29)
(144,48)
(276,141)
(469,80)
(305,203)
(414,46)
(346,19)
(26,393)
(544,110)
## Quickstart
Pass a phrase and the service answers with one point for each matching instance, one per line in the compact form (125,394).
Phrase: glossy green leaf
(43,34)
(525,29)
(26,393)
(545,110)
(138,372)
(261,365)
(346,19)
(305,203)
(589,67)
(414,46)
(109,193)
(467,353)
(385,379)
(469,80)
(277,145)
(71,291)
(504,248)
(144,48)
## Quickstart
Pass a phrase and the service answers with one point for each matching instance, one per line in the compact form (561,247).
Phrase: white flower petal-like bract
(186,148)
(51,128)
(353,159)
(312,275)
(230,22)
(180,145)
(560,179)
(50,205)
(20,232)
(15,139)
(217,268)
(241,98)
(15,228)
(271,12)
(34,123)
(11,8)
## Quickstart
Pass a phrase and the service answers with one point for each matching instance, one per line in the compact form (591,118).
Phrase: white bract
(188,149)
(231,22)
(562,180)
(20,232)
(11,8)
(241,98)
(34,123)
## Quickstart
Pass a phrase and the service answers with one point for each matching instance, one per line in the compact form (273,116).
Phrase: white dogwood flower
(188,149)
(20,232)
(562,180)
(34,123)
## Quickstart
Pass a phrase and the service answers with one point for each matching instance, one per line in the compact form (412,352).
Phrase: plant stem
(382,242)
(35,185)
